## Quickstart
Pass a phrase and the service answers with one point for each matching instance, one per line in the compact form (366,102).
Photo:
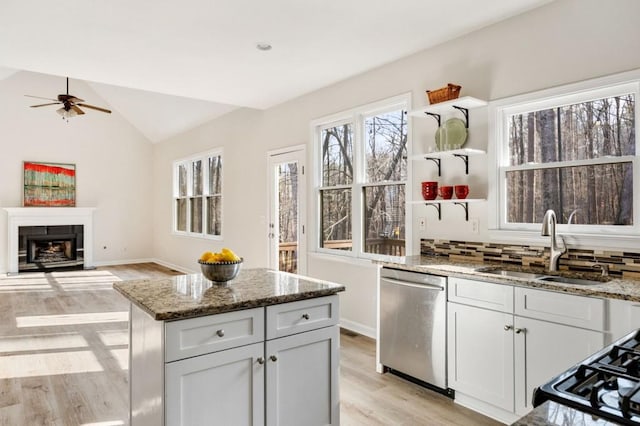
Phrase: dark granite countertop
(186,296)
(552,413)
(615,288)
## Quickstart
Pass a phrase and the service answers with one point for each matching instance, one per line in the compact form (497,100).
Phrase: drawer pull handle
(273,358)
(220,333)
(520,330)
(306,316)
(508,327)
(260,360)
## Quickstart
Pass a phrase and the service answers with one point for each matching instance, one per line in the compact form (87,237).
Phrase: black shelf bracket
(464,158)
(437,207)
(435,160)
(437,117)
(465,111)
(464,205)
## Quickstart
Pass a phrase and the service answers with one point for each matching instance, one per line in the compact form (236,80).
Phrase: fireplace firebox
(50,247)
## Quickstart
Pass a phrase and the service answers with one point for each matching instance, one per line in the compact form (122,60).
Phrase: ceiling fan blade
(69,98)
(40,97)
(77,110)
(95,107)
(41,105)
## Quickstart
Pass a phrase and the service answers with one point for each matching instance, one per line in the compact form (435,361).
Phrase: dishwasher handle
(408,284)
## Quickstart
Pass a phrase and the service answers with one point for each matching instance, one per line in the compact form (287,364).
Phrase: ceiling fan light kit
(70,104)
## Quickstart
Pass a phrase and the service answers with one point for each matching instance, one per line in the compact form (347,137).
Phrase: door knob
(520,330)
(260,360)
(273,358)
(305,316)
(220,333)
(508,327)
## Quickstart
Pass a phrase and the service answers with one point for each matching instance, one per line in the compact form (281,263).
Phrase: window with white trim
(361,180)
(197,191)
(572,151)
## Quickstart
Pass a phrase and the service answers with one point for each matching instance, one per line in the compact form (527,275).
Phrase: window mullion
(359,179)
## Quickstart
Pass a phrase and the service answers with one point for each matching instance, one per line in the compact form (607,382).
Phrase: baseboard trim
(358,328)
(121,262)
(174,266)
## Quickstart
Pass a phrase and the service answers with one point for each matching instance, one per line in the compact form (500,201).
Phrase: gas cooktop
(606,384)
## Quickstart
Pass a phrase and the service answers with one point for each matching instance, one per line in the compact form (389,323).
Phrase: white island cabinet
(268,364)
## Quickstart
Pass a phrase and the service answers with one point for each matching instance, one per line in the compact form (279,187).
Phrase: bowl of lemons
(220,267)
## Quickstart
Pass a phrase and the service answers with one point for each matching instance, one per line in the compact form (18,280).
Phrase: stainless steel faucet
(549,229)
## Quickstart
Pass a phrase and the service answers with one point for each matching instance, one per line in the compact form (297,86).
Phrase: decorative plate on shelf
(455,131)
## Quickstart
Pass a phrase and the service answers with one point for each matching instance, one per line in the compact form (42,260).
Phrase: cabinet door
(543,350)
(221,388)
(302,379)
(480,354)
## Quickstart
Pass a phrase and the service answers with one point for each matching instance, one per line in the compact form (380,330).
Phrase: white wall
(565,41)
(113,163)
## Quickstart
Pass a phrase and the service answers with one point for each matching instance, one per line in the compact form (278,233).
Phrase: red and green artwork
(49,185)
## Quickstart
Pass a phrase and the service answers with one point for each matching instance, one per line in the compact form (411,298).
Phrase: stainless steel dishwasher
(413,326)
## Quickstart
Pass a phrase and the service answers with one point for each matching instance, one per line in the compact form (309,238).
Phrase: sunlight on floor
(114,337)
(122,357)
(41,342)
(71,319)
(47,364)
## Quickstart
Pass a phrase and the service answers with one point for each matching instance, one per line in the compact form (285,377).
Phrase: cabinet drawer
(297,317)
(201,335)
(498,297)
(568,309)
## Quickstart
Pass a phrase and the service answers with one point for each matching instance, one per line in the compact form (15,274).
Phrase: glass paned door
(286,230)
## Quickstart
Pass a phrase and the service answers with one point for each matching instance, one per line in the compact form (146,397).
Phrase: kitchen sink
(567,280)
(532,276)
(507,273)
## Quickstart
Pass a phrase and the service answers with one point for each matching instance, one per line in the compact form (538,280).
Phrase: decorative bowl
(461,191)
(220,272)
(430,190)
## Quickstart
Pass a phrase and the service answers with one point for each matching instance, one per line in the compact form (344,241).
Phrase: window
(198,195)
(572,150)
(362,175)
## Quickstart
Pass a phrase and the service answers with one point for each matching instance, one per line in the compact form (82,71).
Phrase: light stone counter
(615,288)
(186,296)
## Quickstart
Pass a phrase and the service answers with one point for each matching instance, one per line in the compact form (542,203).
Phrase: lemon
(205,256)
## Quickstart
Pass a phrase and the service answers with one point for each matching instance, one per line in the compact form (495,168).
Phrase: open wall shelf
(460,202)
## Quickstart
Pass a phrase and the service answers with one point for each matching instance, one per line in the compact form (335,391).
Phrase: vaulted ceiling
(199,57)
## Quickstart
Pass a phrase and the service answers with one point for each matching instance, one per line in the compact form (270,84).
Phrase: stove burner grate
(606,384)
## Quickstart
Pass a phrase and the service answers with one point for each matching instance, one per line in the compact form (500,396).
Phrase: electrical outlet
(475,226)
(422,223)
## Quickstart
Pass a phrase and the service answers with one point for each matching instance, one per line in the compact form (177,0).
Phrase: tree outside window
(575,159)
(363,174)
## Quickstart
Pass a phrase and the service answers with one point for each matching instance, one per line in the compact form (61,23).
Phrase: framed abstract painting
(49,184)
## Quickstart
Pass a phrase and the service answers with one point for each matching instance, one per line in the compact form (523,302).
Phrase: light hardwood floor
(64,352)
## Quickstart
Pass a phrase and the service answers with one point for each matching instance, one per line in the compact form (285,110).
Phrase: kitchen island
(262,349)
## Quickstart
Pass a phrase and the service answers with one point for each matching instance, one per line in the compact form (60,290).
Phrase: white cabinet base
(302,379)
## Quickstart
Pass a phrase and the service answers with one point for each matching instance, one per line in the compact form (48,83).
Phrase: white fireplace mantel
(44,216)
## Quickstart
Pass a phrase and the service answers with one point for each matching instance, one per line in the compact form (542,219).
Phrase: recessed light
(263,46)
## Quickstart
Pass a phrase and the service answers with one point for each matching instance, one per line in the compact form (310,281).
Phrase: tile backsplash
(621,263)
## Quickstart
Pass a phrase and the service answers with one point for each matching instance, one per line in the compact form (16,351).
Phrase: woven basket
(452,91)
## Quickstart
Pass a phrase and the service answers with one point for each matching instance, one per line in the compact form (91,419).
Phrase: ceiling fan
(70,104)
